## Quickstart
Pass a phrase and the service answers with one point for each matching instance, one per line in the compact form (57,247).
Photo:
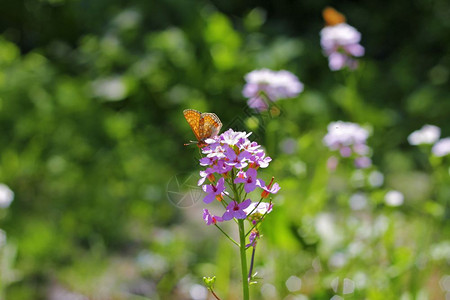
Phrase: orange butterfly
(332,17)
(204,125)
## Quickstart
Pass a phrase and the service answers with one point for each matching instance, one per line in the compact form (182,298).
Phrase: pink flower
(332,163)
(236,210)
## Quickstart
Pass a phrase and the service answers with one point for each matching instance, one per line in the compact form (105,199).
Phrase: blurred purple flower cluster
(234,159)
(350,140)
(341,44)
(266,85)
(429,134)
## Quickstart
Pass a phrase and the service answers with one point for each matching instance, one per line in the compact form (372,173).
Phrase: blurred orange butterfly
(332,17)
(204,125)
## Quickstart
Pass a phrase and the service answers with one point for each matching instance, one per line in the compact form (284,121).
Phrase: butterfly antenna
(190,143)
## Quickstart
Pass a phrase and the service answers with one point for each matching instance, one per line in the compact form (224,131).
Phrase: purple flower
(271,188)
(231,137)
(345,151)
(260,160)
(236,210)
(258,103)
(208,173)
(363,162)
(361,149)
(210,219)
(350,139)
(214,190)
(274,85)
(341,44)
(442,147)
(221,167)
(238,161)
(232,150)
(248,178)
(253,238)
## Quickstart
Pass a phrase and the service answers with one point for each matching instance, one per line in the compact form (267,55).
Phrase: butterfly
(332,17)
(204,125)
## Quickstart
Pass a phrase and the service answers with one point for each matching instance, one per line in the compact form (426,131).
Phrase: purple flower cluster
(270,85)
(235,160)
(341,44)
(350,140)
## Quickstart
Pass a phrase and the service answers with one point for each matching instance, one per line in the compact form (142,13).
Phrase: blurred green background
(91,101)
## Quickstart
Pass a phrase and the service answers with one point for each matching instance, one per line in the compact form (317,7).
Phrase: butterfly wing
(332,17)
(210,125)
(193,118)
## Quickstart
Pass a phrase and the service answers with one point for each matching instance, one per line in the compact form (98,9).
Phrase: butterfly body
(204,125)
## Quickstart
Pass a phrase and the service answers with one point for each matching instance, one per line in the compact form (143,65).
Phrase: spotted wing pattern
(210,125)
(193,117)
(204,125)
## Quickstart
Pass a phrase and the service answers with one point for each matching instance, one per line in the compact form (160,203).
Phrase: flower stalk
(243,254)
(232,164)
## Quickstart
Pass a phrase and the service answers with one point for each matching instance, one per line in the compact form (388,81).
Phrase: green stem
(214,294)
(243,260)
(256,224)
(234,242)
(260,200)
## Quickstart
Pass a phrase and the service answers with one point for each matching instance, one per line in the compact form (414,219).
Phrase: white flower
(442,147)
(358,201)
(344,134)
(262,208)
(341,43)
(339,35)
(394,198)
(6,196)
(376,178)
(428,134)
(275,84)
(111,89)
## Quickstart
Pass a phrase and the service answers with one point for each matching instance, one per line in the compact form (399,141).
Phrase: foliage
(91,101)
